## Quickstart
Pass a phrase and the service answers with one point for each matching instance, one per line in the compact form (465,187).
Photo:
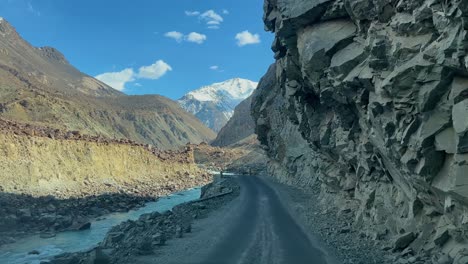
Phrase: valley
(39,86)
(351,149)
(75,151)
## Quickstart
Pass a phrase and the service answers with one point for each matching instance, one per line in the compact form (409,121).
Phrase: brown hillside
(38,85)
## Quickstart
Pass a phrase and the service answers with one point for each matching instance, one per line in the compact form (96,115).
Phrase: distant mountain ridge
(214,104)
(39,86)
(46,65)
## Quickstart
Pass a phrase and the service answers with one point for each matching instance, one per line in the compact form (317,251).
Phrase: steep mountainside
(214,104)
(369,101)
(239,127)
(45,65)
(38,85)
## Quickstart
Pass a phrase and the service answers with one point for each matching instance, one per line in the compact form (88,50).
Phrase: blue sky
(150,46)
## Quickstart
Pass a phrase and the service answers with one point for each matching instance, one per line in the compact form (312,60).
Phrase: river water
(17,253)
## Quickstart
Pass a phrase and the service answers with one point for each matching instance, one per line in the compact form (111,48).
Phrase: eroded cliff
(39,161)
(369,99)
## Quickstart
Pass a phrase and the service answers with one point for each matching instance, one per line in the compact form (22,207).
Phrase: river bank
(24,215)
(147,235)
(35,249)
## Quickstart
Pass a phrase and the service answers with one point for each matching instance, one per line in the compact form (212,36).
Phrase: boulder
(47,235)
(404,240)
(158,239)
(84,226)
(442,237)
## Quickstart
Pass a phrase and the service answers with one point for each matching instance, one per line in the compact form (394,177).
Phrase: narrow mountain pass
(254,228)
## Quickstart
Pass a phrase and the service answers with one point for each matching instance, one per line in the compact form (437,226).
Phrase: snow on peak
(1,19)
(211,102)
(237,89)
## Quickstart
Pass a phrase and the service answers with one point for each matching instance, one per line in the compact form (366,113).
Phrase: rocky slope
(239,126)
(40,161)
(243,157)
(45,65)
(369,99)
(214,104)
(38,85)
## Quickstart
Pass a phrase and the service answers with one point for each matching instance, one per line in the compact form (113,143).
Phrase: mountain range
(214,104)
(38,85)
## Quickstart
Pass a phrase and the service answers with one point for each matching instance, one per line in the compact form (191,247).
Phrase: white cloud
(154,71)
(247,38)
(216,68)
(117,80)
(175,35)
(196,37)
(191,37)
(192,13)
(212,16)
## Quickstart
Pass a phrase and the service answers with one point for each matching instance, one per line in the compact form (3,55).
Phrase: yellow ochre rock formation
(72,168)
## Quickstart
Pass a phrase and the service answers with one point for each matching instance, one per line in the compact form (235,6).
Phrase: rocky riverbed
(23,215)
(146,235)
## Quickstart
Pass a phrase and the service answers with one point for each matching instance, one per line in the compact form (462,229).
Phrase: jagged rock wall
(369,98)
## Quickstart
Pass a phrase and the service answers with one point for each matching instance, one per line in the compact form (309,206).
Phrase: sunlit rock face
(369,99)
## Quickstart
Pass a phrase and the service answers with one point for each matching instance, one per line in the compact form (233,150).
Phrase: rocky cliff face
(369,99)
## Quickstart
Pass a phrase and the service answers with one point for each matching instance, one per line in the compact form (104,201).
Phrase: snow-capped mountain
(214,104)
